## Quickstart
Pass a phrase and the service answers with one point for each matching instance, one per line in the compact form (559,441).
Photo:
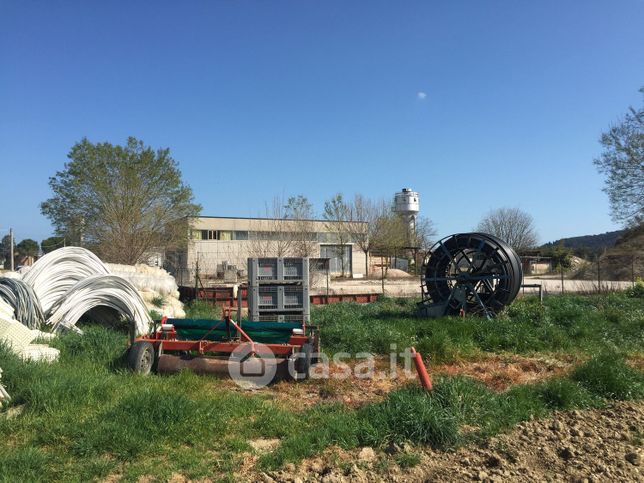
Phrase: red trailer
(225,347)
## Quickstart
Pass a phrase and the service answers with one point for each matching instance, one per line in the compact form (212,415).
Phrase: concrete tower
(407,205)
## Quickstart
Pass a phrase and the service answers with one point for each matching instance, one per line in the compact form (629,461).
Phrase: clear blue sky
(265,98)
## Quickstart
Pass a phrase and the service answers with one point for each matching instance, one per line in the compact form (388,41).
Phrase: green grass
(86,417)
(589,324)
(199,309)
(158,301)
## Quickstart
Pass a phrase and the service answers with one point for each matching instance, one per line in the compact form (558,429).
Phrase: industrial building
(220,246)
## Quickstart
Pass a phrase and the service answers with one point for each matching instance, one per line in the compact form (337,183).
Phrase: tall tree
(121,201)
(337,213)
(274,239)
(300,210)
(27,248)
(5,248)
(511,225)
(622,161)
(52,243)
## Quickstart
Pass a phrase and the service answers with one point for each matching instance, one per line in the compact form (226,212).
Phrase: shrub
(638,290)
(607,375)
(200,309)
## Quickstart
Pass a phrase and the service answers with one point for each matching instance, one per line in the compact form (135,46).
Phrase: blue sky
(257,99)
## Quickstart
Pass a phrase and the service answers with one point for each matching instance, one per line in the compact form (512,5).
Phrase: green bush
(200,309)
(638,290)
(607,375)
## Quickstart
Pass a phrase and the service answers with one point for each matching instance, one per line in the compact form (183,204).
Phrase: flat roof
(274,219)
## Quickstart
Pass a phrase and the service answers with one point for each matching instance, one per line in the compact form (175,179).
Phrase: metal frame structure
(167,340)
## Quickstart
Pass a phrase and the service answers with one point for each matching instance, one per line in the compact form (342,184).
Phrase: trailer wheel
(303,362)
(140,357)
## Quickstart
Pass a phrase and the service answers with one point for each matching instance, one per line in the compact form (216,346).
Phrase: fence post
(561,268)
(599,277)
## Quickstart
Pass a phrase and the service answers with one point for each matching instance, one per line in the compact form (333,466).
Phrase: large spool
(470,273)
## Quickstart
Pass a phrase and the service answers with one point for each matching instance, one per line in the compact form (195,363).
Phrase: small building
(220,246)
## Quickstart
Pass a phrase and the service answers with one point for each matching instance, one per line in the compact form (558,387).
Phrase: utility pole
(11,246)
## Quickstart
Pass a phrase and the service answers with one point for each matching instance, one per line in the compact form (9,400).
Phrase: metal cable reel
(473,273)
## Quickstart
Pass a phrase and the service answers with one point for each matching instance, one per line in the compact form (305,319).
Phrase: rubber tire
(141,357)
(303,364)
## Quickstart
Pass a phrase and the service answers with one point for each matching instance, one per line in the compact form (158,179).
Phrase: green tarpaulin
(263,332)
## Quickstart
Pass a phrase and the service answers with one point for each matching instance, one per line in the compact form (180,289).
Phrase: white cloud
(421,95)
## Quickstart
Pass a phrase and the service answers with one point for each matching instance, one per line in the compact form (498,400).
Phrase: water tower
(407,205)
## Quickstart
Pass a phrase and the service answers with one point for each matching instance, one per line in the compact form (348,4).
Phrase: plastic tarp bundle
(18,338)
(100,291)
(157,288)
(53,275)
(6,310)
(15,335)
(146,278)
(40,353)
(23,300)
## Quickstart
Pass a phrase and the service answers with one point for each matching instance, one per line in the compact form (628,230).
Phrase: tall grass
(86,417)
(568,323)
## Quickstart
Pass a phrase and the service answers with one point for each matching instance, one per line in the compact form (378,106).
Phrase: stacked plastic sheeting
(100,291)
(24,302)
(71,281)
(157,288)
(53,275)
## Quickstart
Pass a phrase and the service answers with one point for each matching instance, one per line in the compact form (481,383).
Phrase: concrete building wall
(217,240)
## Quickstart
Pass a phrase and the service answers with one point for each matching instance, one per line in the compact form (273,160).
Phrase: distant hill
(589,244)
(619,254)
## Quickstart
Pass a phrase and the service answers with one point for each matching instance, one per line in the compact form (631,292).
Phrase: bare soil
(578,446)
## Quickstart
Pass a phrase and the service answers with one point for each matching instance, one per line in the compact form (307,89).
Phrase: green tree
(120,201)
(622,161)
(304,237)
(561,256)
(5,248)
(52,243)
(298,208)
(27,248)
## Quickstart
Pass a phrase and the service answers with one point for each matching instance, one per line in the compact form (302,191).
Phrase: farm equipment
(469,273)
(226,348)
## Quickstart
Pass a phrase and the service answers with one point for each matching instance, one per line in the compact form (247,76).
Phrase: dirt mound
(579,446)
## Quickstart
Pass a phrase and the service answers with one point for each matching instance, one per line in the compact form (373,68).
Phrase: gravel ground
(410,287)
(578,446)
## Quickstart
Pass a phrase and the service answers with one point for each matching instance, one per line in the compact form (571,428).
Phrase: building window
(334,253)
(240,235)
(195,235)
(208,235)
(225,235)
